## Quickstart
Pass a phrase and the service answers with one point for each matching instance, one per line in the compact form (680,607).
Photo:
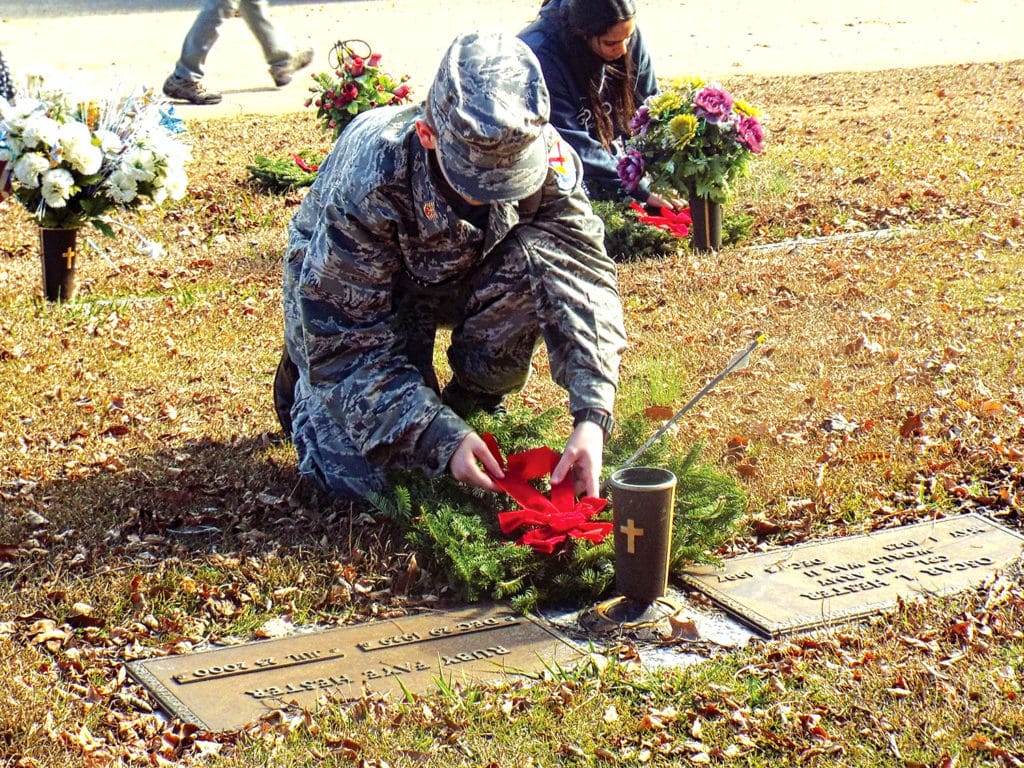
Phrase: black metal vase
(57,251)
(706,229)
(643,503)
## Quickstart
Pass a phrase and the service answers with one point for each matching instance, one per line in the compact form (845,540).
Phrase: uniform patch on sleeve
(560,161)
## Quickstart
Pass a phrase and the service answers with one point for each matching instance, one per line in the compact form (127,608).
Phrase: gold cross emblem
(69,256)
(632,532)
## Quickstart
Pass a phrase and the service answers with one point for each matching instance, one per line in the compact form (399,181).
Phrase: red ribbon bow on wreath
(677,223)
(307,167)
(549,522)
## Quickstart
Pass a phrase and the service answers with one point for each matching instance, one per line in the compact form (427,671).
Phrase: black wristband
(599,417)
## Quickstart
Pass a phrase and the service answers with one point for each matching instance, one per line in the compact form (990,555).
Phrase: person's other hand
(671,203)
(474,464)
(582,457)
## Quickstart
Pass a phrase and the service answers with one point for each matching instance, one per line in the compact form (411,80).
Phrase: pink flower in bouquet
(355,66)
(631,169)
(349,92)
(640,121)
(713,105)
(750,133)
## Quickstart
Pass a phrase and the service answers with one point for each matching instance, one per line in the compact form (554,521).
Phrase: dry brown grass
(138,450)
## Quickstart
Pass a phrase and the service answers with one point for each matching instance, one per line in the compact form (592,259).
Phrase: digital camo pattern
(489,104)
(378,259)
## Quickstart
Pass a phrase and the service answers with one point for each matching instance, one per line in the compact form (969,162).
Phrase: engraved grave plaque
(814,585)
(226,688)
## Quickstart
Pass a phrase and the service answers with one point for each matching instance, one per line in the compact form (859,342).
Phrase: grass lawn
(146,501)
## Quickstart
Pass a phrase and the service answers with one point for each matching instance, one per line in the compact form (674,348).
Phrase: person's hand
(582,457)
(671,203)
(474,464)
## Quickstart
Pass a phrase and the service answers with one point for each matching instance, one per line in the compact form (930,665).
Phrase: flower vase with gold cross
(57,250)
(77,158)
(643,504)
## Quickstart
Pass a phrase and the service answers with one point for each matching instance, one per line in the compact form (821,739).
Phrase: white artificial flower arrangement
(73,159)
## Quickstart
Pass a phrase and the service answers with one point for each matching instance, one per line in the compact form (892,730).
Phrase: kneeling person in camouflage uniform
(465,212)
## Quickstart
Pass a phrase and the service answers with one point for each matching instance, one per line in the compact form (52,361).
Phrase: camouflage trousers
(494,334)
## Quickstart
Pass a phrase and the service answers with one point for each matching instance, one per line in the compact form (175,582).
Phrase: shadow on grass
(203,497)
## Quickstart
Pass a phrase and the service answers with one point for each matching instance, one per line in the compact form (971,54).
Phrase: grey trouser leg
(494,342)
(205,31)
(275,44)
(326,453)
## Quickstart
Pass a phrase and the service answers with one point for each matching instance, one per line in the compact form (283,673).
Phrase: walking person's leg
(278,49)
(184,82)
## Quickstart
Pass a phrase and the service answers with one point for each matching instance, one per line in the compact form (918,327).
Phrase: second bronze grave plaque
(226,688)
(813,585)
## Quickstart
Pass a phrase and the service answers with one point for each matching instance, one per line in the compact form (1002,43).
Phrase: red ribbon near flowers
(549,522)
(677,223)
(304,165)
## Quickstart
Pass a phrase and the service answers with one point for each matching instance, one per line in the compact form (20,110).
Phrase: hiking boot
(191,91)
(285,379)
(282,73)
(465,401)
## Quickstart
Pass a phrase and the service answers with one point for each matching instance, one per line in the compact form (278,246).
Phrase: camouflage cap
(488,104)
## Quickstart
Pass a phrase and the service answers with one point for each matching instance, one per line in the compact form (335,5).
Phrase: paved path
(120,43)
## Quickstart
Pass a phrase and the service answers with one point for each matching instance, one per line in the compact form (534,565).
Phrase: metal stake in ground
(738,362)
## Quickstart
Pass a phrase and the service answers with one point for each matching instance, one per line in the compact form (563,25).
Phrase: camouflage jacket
(374,216)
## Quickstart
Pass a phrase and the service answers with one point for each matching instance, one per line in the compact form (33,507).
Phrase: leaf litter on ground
(148,505)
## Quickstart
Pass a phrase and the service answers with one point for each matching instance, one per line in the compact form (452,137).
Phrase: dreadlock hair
(604,83)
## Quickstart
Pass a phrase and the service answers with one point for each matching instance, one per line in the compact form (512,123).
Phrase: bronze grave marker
(226,688)
(814,585)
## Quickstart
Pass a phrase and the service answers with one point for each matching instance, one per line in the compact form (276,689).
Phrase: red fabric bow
(676,223)
(304,165)
(549,522)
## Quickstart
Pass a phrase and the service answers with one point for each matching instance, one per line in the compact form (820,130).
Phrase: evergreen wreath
(627,239)
(281,174)
(453,528)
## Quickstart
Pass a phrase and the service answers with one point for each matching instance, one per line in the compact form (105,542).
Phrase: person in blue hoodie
(598,71)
